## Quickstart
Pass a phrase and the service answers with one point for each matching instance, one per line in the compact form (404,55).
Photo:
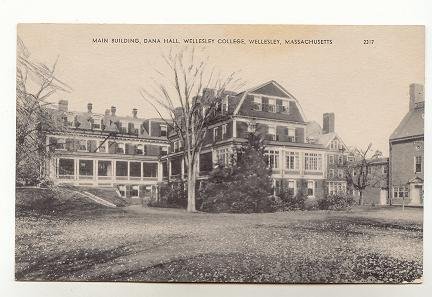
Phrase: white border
(367,12)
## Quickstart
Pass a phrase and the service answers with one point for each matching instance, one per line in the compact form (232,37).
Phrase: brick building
(406,175)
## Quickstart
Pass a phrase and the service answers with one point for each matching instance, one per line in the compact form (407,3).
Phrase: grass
(90,242)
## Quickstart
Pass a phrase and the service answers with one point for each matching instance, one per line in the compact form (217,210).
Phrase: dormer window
(257,102)
(120,148)
(163,131)
(139,149)
(97,124)
(61,144)
(272,133)
(82,145)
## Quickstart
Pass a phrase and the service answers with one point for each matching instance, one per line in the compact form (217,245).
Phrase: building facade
(297,159)
(107,150)
(406,162)
(134,155)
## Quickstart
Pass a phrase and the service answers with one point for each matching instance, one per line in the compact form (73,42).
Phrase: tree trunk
(361,198)
(191,180)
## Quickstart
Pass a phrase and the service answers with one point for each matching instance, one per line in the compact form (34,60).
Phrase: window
(291,135)
(66,167)
(313,162)
(135,169)
(224,131)
(176,145)
(214,133)
(272,133)
(311,188)
(134,191)
(85,167)
(418,164)
(385,169)
(340,160)
(257,103)
(223,156)
(331,159)
(122,190)
(271,106)
(150,169)
(331,173)
(104,168)
(120,148)
(340,173)
(334,187)
(82,145)
(163,131)
(292,161)
(97,124)
(272,158)
(291,187)
(61,144)
(121,168)
(164,151)
(139,149)
(102,147)
(400,192)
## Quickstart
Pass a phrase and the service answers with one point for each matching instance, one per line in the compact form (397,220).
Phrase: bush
(243,187)
(171,195)
(236,197)
(338,201)
(291,202)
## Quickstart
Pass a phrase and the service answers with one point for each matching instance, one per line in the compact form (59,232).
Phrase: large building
(107,150)
(303,155)
(406,160)
(133,155)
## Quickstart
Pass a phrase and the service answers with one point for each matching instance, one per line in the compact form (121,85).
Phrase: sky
(365,85)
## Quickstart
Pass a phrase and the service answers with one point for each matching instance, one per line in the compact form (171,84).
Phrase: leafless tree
(35,83)
(178,96)
(357,171)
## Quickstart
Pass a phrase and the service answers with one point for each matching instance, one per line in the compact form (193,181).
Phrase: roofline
(266,83)
(406,137)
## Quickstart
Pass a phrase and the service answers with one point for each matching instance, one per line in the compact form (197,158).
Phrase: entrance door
(383,197)
(415,193)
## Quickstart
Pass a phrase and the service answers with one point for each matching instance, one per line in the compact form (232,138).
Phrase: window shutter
(52,143)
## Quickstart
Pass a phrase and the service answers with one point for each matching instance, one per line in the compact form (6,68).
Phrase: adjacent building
(107,150)
(406,161)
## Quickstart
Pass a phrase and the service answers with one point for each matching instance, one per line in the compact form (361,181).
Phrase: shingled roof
(411,125)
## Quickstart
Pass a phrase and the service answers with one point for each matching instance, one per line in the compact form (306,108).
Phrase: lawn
(96,243)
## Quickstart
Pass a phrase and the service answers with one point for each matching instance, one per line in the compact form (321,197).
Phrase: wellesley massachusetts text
(220,153)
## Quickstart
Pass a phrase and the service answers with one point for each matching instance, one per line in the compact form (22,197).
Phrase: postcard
(278,154)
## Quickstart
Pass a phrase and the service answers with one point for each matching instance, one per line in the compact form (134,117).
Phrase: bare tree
(178,96)
(35,83)
(357,172)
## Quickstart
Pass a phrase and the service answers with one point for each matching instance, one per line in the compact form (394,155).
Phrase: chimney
(328,122)
(63,105)
(134,113)
(113,110)
(89,107)
(416,92)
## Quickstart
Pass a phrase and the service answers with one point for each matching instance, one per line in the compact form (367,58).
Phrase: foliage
(245,186)
(172,194)
(35,83)
(289,201)
(338,201)
(189,94)
(357,172)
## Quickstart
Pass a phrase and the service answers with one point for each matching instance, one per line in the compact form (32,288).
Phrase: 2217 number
(368,41)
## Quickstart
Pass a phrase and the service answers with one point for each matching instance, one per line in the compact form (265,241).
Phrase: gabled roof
(411,125)
(271,88)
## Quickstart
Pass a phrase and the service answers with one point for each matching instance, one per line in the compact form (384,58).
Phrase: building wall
(402,160)
(402,166)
